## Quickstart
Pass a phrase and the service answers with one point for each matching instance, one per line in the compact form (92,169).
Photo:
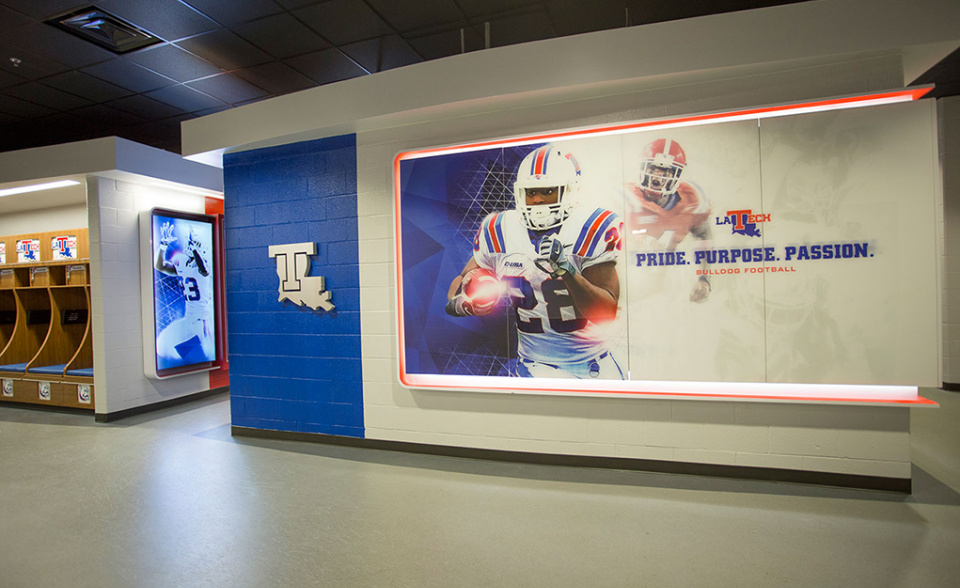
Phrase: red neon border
(909,94)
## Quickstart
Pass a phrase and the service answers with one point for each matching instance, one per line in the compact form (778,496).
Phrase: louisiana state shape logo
(293,264)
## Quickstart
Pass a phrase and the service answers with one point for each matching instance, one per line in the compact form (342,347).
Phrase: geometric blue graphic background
(443,200)
(293,368)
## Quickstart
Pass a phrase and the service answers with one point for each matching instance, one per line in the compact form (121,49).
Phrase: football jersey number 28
(555,296)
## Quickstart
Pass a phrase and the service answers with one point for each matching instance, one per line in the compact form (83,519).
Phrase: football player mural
(554,257)
(665,209)
(189,338)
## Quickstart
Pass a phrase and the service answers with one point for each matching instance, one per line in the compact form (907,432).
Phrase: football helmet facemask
(547,167)
(661,165)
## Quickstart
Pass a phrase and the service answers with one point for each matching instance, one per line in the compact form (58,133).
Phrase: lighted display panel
(178,262)
(718,255)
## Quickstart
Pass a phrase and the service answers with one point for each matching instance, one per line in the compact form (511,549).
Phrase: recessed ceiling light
(107,30)
(38,187)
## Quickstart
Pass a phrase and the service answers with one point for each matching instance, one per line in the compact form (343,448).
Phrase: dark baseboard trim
(885,484)
(950,387)
(122,414)
(49,408)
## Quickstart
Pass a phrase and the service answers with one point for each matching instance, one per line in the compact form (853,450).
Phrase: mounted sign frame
(179,277)
(721,256)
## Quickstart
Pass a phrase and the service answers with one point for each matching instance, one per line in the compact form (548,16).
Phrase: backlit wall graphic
(731,259)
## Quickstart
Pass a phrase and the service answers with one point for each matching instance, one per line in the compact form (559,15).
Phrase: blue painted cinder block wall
(293,368)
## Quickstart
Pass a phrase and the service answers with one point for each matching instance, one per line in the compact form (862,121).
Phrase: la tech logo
(293,264)
(743,222)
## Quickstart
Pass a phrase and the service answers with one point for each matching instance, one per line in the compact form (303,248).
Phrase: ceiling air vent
(100,27)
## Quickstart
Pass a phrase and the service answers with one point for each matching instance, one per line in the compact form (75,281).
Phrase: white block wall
(949,130)
(114,208)
(41,221)
(863,440)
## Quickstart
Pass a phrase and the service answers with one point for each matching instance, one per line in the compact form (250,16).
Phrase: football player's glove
(166,234)
(478,294)
(459,306)
(701,290)
(552,258)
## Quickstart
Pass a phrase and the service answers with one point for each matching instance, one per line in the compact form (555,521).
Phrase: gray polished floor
(171,499)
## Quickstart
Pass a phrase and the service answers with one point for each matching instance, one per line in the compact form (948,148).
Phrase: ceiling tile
(228,88)
(64,128)
(326,66)
(184,98)
(277,78)
(174,63)
(56,45)
(7,79)
(144,107)
(42,10)
(7,119)
(210,111)
(383,53)
(164,134)
(572,17)
(128,75)
(169,20)
(225,50)
(85,86)
(521,28)
(406,16)
(235,11)
(344,21)
(32,66)
(487,8)
(10,20)
(294,4)
(446,43)
(22,108)
(106,117)
(46,96)
(281,36)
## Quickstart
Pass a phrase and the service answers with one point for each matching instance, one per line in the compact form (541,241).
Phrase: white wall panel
(759,435)
(115,294)
(949,133)
(72,216)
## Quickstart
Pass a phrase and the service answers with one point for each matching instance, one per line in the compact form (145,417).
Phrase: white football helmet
(547,167)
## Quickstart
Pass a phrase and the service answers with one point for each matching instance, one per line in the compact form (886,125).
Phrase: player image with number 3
(556,263)
(188,338)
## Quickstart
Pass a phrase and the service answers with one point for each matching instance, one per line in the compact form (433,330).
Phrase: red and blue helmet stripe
(538,165)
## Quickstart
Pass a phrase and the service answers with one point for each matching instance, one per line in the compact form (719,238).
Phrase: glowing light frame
(723,391)
(37,187)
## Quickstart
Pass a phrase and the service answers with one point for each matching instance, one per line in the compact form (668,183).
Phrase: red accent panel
(221,377)
(213,205)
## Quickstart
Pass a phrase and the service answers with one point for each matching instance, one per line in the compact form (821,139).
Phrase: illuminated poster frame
(725,390)
(180,268)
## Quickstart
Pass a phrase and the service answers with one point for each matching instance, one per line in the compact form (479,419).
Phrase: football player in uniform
(666,209)
(557,264)
(188,339)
